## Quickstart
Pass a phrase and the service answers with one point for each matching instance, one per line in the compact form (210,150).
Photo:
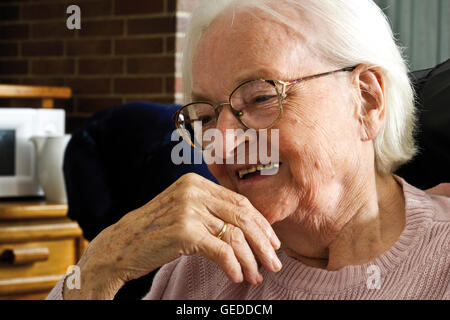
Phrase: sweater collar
(297,276)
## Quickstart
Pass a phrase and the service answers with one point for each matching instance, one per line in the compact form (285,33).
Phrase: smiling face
(319,132)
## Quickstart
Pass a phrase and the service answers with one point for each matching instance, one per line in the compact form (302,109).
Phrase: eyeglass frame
(238,113)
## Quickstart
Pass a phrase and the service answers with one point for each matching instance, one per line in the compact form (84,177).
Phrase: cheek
(318,135)
(312,156)
(307,144)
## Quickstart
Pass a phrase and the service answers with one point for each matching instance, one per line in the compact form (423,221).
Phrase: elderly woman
(333,222)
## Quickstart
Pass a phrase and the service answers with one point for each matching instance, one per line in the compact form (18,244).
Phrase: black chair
(432,164)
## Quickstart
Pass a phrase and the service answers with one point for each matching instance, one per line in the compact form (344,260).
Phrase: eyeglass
(256,104)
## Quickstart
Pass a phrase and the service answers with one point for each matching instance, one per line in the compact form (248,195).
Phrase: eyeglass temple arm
(347,69)
(285,84)
(187,121)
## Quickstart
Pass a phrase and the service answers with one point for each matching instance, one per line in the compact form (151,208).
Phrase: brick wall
(126,50)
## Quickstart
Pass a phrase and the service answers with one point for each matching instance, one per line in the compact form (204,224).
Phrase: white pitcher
(50,156)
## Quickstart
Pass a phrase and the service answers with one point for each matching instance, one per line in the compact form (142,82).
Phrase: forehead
(240,45)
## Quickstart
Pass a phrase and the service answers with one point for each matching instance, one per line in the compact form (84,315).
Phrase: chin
(271,209)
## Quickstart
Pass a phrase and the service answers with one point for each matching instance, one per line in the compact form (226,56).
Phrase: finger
(236,239)
(221,253)
(255,236)
(235,209)
(239,202)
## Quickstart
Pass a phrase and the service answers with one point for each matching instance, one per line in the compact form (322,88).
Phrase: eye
(206,119)
(262,99)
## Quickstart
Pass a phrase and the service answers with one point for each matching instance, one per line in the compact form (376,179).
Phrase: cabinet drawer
(39,264)
(61,254)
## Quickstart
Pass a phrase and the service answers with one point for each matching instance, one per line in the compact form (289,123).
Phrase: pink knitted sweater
(416,267)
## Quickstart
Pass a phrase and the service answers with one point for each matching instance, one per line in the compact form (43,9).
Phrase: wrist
(96,282)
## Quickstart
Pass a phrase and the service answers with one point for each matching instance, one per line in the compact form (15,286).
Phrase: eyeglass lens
(258,101)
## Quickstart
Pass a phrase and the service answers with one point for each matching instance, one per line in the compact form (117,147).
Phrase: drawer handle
(18,256)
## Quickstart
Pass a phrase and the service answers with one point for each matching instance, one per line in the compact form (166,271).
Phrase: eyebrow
(198,97)
(260,74)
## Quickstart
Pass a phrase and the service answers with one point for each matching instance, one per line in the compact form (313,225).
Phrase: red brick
(13,67)
(9,13)
(152,25)
(170,44)
(88,47)
(52,66)
(23,103)
(42,48)
(169,85)
(9,49)
(139,46)
(151,65)
(95,8)
(89,85)
(100,66)
(171,5)
(137,85)
(96,104)
(44,11)
(45,30)
(52,82)
(102,28)
(138,6)
(16,31)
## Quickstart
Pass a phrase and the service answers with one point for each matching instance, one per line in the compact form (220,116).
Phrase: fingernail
(240,277)
(274,239)
(260,278)
(276,242)
(276,264)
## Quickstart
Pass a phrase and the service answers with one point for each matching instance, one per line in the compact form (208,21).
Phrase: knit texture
(416,267)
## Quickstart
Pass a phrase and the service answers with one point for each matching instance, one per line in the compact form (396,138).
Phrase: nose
(232,133)
(226,119)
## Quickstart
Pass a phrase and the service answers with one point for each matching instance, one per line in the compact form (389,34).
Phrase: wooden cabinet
(38,242)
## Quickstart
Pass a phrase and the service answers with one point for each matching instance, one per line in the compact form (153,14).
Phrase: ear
(369,83)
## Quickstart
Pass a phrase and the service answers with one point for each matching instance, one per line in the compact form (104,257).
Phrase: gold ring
(224,228)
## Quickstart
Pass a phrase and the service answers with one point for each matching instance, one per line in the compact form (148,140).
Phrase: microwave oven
(18,160)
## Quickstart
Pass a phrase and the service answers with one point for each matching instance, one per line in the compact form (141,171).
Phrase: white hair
(358,32)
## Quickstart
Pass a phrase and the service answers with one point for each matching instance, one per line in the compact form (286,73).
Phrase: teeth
(259,167)
(251,170)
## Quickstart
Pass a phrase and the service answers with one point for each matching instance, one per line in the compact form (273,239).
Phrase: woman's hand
(185,219)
